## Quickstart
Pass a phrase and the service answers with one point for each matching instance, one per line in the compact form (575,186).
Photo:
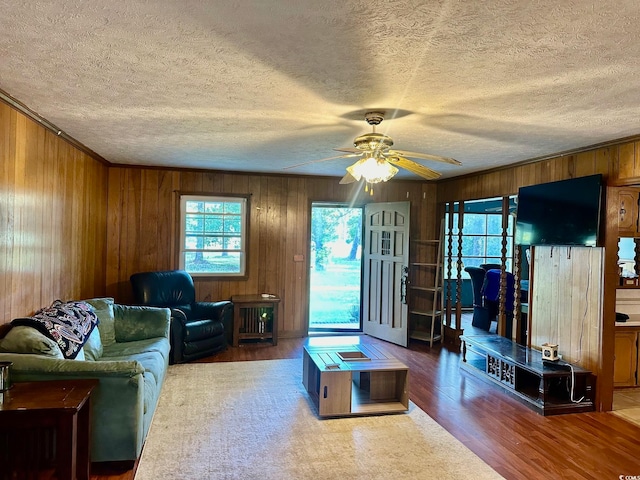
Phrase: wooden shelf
(423,335)
(426,289)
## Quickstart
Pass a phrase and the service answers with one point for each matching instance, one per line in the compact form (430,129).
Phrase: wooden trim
(40,120)
(604,394)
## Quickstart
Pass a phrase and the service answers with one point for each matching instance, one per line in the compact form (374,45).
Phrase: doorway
(626,393)
(335,268)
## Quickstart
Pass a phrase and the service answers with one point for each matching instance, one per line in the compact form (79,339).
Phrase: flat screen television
(566,212)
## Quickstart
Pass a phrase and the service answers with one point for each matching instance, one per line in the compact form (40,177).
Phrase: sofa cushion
(118,351)
(103,308)
(93,346)
(133,323)
(69,324)
(23,339)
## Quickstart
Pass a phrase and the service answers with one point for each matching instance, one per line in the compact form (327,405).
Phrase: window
(213,235)
(482,235)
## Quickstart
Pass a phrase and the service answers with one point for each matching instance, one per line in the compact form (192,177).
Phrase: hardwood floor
(517,442)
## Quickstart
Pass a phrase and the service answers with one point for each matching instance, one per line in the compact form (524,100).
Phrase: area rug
(254,420)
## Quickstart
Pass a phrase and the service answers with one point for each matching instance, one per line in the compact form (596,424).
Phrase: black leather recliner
(198,329)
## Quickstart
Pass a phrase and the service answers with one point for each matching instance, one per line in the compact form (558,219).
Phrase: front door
(386,257)
(335,269)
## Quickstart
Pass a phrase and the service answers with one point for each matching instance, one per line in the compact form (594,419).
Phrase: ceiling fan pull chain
(368,188)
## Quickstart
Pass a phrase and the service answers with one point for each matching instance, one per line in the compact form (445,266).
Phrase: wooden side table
(63,406)
(255,317)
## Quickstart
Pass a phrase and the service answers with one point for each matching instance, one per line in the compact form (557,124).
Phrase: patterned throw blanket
(69,324)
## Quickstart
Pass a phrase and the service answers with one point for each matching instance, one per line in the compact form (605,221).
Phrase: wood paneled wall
(143,222)
(507,181)
(53,214)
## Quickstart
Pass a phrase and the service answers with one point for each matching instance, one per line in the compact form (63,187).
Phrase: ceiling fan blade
(321,160)
(425,156)
(348,178)
(414,167)
(349,150)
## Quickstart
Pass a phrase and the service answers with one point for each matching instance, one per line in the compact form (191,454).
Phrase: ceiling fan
(378,160)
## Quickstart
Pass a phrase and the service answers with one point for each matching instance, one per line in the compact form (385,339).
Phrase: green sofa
(128,352)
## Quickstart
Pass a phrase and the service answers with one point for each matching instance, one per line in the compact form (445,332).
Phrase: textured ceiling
(260,85)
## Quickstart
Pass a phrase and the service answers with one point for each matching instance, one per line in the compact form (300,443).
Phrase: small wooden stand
(31,409)
(255,317)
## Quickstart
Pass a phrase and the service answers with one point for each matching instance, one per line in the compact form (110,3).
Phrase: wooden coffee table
(354,380)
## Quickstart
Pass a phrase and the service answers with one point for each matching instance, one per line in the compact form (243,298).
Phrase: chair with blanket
(198,329)
(480,312)
(491,297)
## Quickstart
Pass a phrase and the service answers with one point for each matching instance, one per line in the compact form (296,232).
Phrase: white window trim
(243,234)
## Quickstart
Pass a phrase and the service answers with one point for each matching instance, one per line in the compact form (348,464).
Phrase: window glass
(473,245)
(213,235)
(474,224)
(481,235)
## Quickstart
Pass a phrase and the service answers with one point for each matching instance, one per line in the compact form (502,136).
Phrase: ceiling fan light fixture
(373,170)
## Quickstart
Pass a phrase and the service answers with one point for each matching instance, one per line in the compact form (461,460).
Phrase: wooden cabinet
(627,166)
(625,365)
(628,212)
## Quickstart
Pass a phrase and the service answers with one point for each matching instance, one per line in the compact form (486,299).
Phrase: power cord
(573,382)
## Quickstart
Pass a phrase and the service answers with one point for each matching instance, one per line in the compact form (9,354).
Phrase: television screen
(560,213)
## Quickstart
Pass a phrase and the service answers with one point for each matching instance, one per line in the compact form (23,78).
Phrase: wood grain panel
(626,166)
(278,229)
(506,181)
(566,304)
(53,215)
